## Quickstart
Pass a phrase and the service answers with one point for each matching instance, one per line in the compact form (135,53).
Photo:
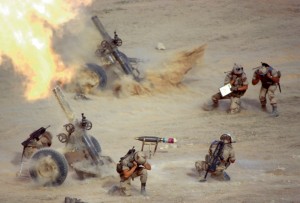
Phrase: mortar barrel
(64,104)
(101,29)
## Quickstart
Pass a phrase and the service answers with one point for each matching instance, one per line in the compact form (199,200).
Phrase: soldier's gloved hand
(134,164)
(234,88)
(269,75)
(257,76)
(234,77)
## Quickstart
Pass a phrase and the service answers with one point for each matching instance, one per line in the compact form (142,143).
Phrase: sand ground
(233,31)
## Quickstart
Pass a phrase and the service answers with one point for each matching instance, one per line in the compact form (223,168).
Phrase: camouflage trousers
(271,95)
(202,166)
(235,102)
(29,151)
(125,184)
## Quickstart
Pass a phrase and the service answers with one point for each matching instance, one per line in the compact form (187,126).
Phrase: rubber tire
(59,161)
(100,73)
(96,144)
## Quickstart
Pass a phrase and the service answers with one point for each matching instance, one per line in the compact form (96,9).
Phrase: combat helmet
(237,69)
(140,158)
(226,137)
(48,136)
(263,69)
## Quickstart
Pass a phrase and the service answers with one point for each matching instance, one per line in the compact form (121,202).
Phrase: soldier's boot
(264,107)
(215,104)
(226,177)
(143,189)
(210,105)
(274,111)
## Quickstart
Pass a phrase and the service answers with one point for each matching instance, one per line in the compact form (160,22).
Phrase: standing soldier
(269,78)
(132,165)
(220,156)
(239,84)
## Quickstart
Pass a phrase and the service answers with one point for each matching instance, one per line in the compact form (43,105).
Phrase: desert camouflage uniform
(228,155)
(239,81)
(45,140)
(125,184)
(268,86)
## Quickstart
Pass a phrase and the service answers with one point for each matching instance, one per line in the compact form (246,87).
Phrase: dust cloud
(164,79)
(267,149)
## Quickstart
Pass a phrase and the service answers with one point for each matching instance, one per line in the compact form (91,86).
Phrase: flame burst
(27,28)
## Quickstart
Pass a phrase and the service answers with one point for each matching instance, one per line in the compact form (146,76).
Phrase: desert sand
(227,32)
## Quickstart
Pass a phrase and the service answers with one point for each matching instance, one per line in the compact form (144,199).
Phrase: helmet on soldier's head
(237,69)
(47,135)
(140,158)
(263,69)
(226,137)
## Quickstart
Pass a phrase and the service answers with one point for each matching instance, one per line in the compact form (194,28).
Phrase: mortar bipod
(144,142)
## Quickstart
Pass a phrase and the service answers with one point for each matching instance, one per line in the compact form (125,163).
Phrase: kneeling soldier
(131,166)
(220,156)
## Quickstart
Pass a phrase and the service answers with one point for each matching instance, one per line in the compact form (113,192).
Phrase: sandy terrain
(246,32)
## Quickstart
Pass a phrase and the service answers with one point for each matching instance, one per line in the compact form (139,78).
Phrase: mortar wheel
(48,167)
(100,73)
(96,144)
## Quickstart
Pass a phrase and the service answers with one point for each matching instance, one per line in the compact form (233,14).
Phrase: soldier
(222,159)
(131,166)
(44,140)
(239,84)
(269,78)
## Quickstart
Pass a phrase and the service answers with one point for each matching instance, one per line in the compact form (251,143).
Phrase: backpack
(270,69)
(119,167)
(279,73)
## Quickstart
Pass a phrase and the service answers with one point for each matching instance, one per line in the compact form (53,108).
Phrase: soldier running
(269,78)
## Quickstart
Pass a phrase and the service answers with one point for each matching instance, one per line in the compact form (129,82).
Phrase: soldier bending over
(44,140)
(132,165)
(269,78)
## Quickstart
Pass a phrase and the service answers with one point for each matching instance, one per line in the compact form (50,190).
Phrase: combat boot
(264,107)
(274,111)
(143,189)
(226,177)
(209,106)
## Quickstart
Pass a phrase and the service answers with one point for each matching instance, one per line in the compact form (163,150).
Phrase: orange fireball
(26,37)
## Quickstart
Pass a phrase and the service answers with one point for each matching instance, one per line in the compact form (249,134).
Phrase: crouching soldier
(220,155)
(36,142)
(239,84)
(132,165)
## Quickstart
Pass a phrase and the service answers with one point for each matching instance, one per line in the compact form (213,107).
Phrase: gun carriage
(111,58)
(82,152)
